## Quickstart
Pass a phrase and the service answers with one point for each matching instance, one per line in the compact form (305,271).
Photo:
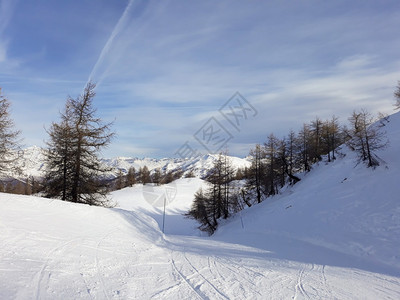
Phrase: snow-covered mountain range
(31,163)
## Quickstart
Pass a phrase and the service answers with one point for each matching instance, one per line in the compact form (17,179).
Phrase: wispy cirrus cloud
(6,14)
(106,49)
(164,68)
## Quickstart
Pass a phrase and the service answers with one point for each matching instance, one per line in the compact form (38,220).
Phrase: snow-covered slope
(334,235)
(57,250)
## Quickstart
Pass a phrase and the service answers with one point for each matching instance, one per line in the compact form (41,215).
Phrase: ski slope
(334,235)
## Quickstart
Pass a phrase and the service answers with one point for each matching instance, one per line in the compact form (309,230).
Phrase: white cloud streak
(105,51)
(6,12)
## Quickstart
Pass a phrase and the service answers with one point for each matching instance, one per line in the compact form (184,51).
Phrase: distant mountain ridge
(31,162)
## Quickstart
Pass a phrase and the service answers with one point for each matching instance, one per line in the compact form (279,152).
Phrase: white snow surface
(334,235)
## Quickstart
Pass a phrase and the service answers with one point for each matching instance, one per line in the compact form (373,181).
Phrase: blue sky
(163,68)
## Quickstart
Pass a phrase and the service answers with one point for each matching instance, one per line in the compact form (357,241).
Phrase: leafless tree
(216,201)
(74,168)
(9,137)
(255,176)
(366,137)
(397,96)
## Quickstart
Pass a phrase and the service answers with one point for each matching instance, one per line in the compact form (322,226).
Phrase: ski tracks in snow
(186,280)
(300,286)
(313,277)
(218,292)
(87,271)
(196,277)
(99,275)
(219,277)
(248,277)
(215,277)
(45,272)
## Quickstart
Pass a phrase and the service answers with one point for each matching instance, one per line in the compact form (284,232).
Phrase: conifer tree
(330,137)
(144,175)
(217,201)
(28,187)
(131,177)
(281,164)
(60,158)
(272,170)
(288,159)
(9,137)
(74,169)
(255,176)
(201,211)
(35,185)
(119,184)
(156,176)
(303,148)
(366,138)
(315,130)
(397,96)
(167,177)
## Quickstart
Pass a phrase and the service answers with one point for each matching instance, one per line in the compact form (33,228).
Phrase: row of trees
(279,161)
(29,186)
(220,199)
(144,176)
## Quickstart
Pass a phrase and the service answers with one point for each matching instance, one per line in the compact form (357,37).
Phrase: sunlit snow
(334,235)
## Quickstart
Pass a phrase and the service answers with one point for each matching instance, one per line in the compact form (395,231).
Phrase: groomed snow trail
(57,250)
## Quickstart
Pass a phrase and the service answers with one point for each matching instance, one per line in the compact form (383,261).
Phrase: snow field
(334,235)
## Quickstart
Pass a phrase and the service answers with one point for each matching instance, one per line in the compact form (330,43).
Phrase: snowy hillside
(334,235)
(31,163)
(341,216)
